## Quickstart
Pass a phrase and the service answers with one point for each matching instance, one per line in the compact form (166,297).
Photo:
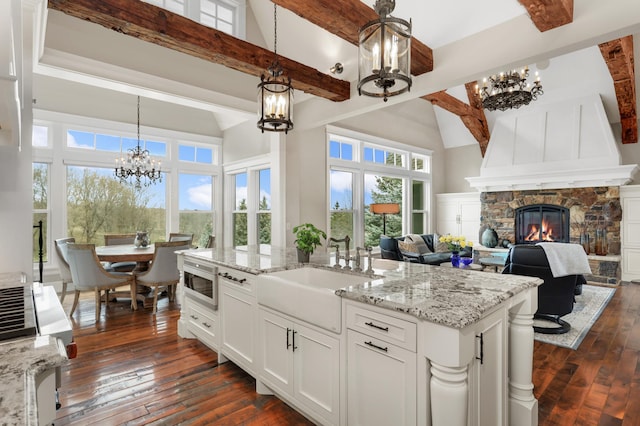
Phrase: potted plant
(307,239)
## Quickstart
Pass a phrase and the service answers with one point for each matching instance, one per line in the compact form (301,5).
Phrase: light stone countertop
(448,296)
(22,360)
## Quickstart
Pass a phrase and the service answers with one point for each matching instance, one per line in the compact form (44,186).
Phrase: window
(195,193)
(223,15)
(341,199)
(240,218)
(40,209)
(264,206)
(75,157)
(365,170)
(98,204)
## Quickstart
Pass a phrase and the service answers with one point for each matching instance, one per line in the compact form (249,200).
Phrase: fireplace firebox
(542,223)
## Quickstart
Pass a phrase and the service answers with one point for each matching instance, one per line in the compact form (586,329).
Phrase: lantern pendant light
(384,51)
(275,94)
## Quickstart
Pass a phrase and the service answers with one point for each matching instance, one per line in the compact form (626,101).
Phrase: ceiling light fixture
(275,93)
(508,90)
(138,168)
(384,52)
(337,68)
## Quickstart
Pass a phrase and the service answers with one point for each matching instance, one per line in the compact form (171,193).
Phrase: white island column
(523,406)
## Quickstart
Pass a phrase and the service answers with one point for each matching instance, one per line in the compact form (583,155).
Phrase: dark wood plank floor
(133,369)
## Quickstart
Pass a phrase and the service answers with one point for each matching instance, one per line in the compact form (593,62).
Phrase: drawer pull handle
(370,324)
(206,325)
(373,345)
(288,344)
(194,317)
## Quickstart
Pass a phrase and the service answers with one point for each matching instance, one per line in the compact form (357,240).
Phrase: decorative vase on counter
(142,239)
(601,242)
(455,259)
(584,242)
(490,238)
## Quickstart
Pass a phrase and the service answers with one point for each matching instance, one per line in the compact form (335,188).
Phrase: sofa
(556,296)
(389,249)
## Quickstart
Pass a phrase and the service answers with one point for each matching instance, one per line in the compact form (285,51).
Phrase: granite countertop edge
(447,296)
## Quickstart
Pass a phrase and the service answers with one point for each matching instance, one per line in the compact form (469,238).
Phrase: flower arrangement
(455,243)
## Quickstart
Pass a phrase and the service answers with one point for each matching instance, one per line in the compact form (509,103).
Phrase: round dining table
(130,253)
(127,253)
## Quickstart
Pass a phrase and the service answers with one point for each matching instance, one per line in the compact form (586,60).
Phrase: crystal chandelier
(138,168)
(275,94)
(384,51)
(508,90)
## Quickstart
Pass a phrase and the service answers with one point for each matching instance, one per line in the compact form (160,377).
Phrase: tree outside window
(99,204)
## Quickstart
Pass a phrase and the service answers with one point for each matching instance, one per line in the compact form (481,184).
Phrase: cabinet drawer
(240,280)
(203,323)
(384,327)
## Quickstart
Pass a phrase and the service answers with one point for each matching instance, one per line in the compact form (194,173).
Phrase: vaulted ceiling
(456,42)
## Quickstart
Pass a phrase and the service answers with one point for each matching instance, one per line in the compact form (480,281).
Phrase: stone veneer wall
(589,208)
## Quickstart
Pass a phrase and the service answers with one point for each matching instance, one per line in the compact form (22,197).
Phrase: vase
(490,238)
(142,239)
(584,242)
(303,256)
(601,242)
(455,259)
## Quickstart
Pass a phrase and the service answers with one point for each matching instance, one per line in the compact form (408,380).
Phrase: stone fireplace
(589,209)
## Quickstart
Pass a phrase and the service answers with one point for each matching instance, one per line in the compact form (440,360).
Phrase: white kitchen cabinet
(301,365)
(382,369)
(458,214)
(202,321)
(630,232)
(488,373)
(237,305)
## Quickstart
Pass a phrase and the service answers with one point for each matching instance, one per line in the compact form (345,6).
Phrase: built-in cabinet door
(237,323)
(459,214)
(317,371)
(277,356)
(381,382)
(302,364)
(630,230)
(488,373)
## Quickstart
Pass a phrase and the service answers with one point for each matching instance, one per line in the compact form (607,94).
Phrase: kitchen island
(417,344)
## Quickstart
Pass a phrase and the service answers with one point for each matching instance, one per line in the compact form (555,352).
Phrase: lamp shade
(384,208)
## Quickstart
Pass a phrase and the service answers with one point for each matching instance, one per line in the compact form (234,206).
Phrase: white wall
(459,163)
(244,141)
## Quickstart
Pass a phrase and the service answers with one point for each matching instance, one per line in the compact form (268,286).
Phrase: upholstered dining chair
(163,271)
(211,241)
(120,239)
(88,274)
(63,263)
(176,236)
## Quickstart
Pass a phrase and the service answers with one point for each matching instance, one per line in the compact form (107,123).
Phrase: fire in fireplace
(542,222)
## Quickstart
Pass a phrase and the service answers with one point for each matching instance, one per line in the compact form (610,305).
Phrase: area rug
(588,307)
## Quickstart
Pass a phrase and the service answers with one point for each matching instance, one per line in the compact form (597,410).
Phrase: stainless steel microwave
(200,280)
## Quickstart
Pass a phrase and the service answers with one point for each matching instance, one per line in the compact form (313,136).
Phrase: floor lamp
(384,209)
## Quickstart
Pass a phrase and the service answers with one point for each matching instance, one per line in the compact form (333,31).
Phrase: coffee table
(492,262)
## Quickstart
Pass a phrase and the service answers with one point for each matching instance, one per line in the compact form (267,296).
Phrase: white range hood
(562,145)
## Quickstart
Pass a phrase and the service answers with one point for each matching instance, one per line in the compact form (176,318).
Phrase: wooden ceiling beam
(549,14)
(344,18)
(471,115)
(162,27)
(618,54)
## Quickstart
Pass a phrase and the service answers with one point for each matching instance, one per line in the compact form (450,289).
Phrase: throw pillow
(419,242)
(407,247)
(440,247)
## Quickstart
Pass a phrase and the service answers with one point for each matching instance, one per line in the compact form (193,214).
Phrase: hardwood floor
(133,369)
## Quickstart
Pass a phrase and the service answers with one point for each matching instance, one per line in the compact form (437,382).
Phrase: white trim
(388,143)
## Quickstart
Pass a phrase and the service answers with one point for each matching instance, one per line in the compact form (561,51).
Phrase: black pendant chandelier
(384,50)
(275,94)
(508,90)
(138,168)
